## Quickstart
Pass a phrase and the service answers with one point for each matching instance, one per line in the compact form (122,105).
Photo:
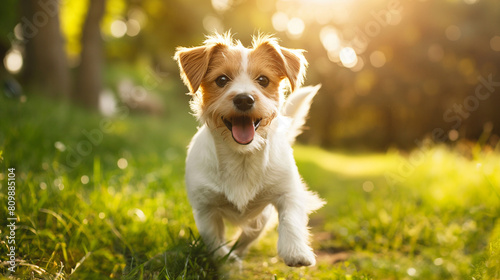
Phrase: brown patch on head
(285,63)
(199,65)
(194,62)
(224,62)
(264,61)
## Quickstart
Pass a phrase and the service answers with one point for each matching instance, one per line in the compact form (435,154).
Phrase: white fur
(242,184)
(297,106)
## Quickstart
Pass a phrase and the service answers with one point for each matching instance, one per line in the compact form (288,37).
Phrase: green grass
(81,216)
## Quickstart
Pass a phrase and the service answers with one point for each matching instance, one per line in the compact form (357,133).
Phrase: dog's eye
(263,81)
(222,81)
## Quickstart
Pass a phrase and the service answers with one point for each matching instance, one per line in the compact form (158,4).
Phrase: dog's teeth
(257,123)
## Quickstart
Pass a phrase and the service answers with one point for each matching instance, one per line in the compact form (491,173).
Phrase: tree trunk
(89,76)
(46,64)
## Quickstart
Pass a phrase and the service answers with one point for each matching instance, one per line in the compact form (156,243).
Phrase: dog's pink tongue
(243,130)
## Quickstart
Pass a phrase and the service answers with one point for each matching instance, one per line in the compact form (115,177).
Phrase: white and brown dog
(240,164)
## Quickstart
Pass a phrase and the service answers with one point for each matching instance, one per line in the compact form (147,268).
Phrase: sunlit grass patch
(347,164)
(122,210)
(432,224)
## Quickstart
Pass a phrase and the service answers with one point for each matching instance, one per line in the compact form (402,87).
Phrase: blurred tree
(45,60)
(9,18)
(89,76)
(413,67)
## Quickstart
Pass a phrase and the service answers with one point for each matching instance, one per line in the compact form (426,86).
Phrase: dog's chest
(242,177)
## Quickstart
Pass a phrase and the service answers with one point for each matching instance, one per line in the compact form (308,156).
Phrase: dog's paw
(230,264)
(233,258)
(298,258)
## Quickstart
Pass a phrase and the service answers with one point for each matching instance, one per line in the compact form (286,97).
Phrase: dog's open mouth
(242,128)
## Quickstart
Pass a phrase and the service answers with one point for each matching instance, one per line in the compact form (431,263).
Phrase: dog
(240,165)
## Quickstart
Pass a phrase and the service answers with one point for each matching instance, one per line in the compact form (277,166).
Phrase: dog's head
(238,91)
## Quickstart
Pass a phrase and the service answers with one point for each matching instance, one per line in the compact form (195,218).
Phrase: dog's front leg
(211,228)
(293,240)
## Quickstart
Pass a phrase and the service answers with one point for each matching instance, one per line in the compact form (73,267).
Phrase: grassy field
(100,198)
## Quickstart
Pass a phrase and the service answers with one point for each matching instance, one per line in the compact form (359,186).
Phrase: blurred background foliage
(393,72)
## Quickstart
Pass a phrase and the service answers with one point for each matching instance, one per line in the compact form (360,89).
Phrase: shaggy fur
(244,183)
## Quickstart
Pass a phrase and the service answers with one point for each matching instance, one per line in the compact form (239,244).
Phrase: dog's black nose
(243,101)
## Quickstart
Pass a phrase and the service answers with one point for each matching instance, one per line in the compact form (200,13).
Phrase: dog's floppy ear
(193,63)
(295,66)
(291,61)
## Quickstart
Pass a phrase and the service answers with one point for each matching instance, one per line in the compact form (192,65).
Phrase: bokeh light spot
(377,59)
(438,261)
(329,38)
(59,184)
(85,179)
(453,135)
(18,31)
(13,61)
(133,27)
(348,57)
(296,27)
(122,163)
(411,271)
(211,24)
(395,17)
(138,214)
(368,186)
(60,146)
(280,21)
(359,65)
(221,5)
(333,56)
(495,43)
(453,33)
(118,28)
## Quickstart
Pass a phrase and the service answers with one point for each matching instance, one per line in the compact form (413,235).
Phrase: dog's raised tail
(297,107)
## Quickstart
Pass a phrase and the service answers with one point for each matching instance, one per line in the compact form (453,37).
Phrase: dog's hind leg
(253,229)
